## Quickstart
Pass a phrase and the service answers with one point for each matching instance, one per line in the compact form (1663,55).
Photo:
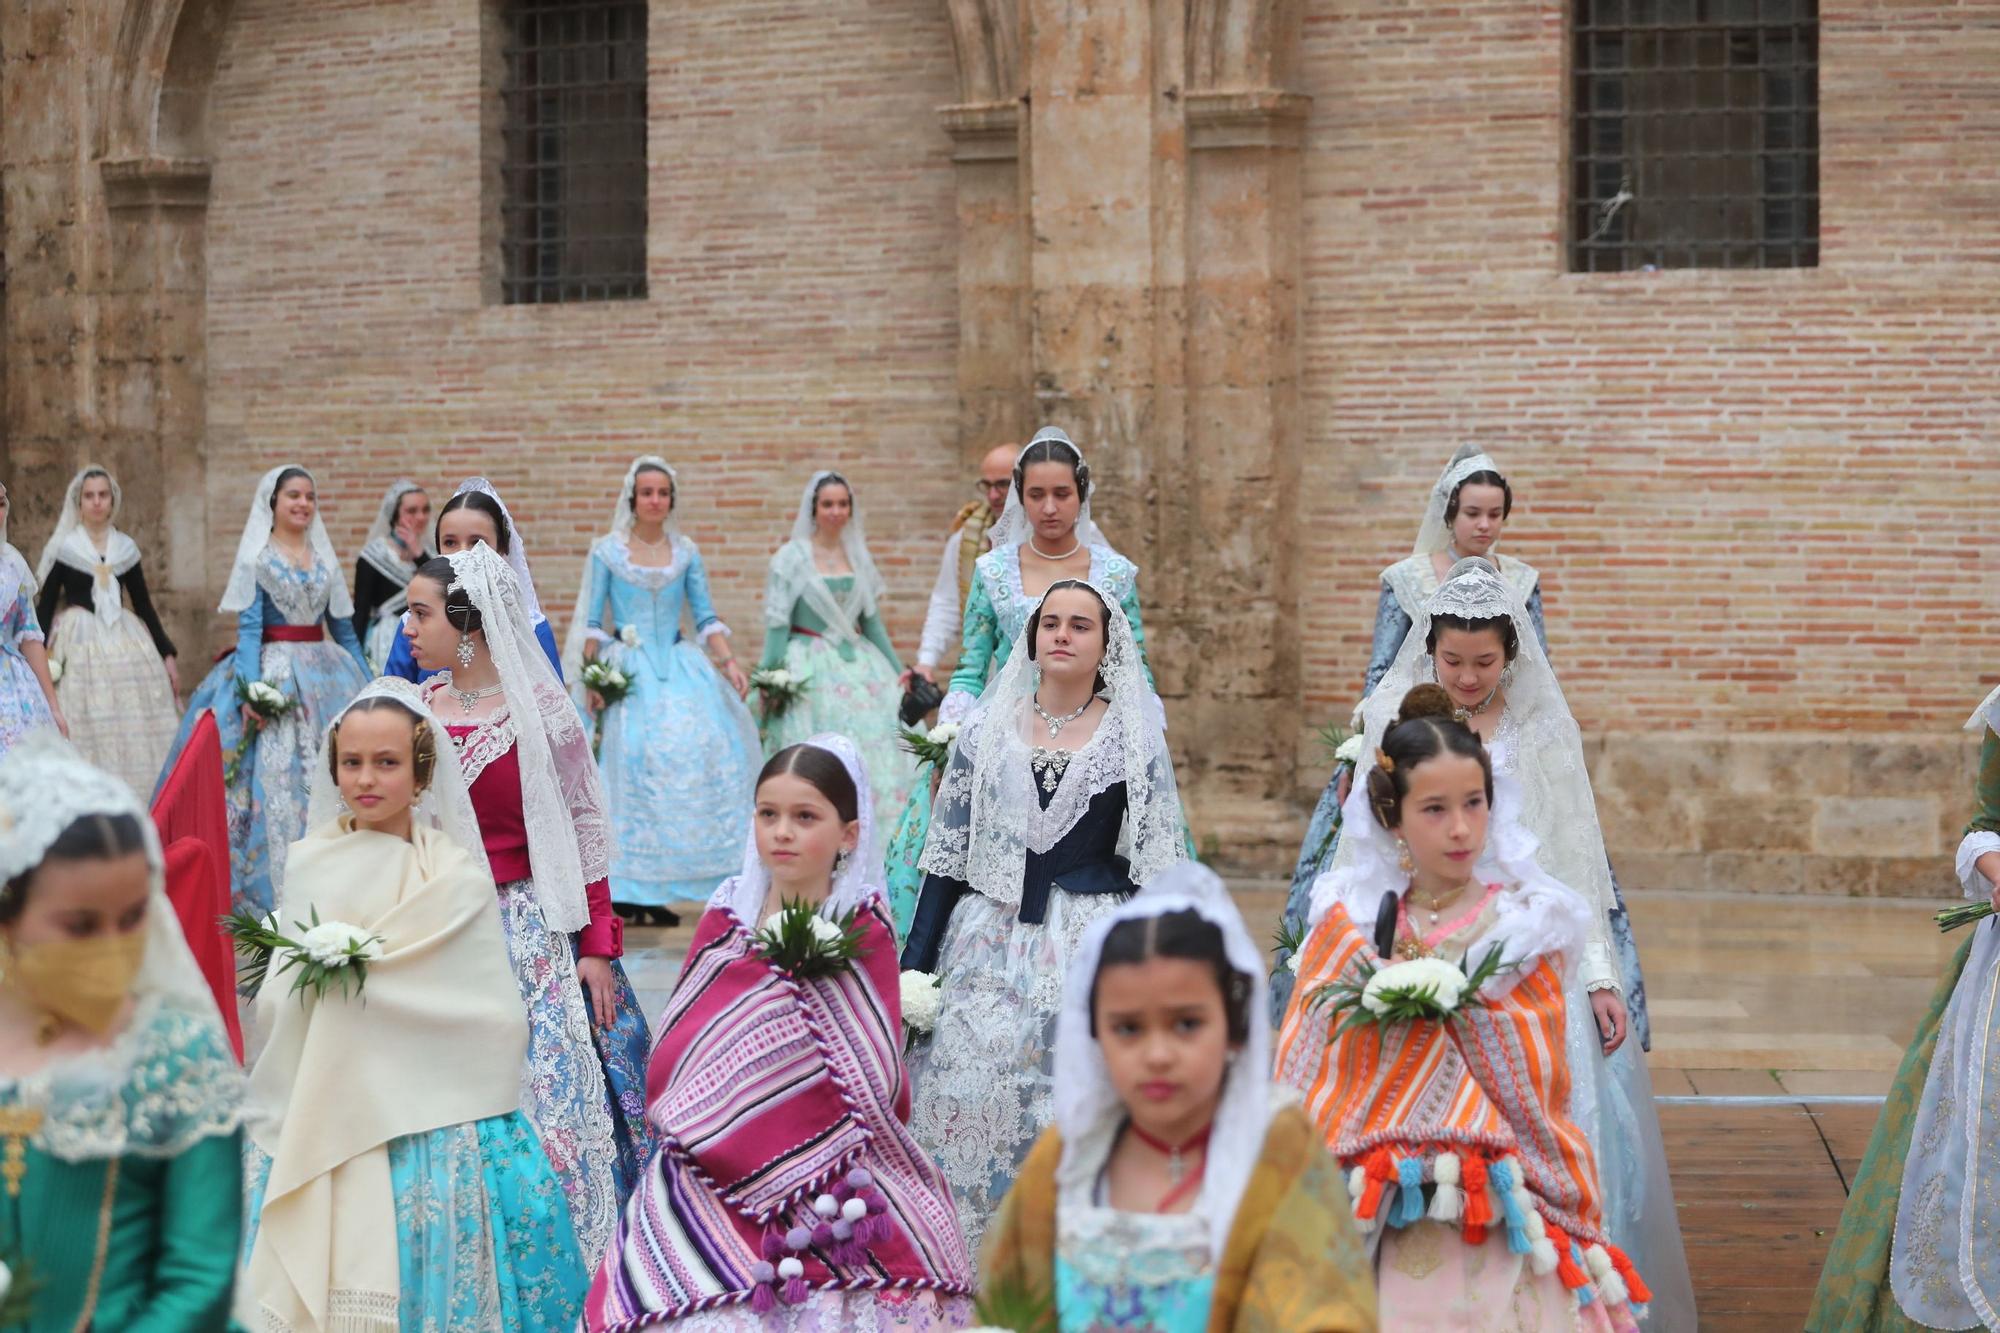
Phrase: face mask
(85,982)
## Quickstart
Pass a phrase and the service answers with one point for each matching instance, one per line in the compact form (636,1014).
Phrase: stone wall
(1270,261)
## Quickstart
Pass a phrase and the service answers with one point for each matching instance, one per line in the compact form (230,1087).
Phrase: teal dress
(1116,1271)
(680,752)
(483,1236)
(142,1241)
(996,611)
(851,673)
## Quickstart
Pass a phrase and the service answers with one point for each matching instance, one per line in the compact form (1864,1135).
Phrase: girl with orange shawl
(1445,1091)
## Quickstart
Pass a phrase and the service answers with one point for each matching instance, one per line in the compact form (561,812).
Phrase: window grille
(1695,134)
(573,170)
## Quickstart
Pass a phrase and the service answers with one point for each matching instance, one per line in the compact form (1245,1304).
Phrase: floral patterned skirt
(114,692)
(1428,1280)
(23,706)
(483,1238)
(842,1312)
(982,1084)
(582,1086)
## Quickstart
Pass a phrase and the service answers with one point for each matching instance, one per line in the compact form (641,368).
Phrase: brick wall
(1757,498)
(801,273)
(1760,501)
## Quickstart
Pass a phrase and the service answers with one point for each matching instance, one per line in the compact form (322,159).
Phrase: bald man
(968,541)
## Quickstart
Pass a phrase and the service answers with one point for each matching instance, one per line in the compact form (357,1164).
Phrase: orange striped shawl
(1494,1079)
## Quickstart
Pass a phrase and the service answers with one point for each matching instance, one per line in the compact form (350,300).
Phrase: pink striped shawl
(768,1091)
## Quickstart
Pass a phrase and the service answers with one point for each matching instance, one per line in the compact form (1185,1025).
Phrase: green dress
(162,1218)
(1854,1293)
(851,673)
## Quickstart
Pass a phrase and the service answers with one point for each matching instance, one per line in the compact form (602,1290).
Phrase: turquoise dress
(996,611)
(267,800)
(680,752)
(1117,1271)
(483,1237)
(156,1223)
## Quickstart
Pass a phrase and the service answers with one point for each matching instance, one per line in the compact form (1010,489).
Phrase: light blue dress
(680,753)
(1118,1270)
(996,610)
(267,801)
(483,1237)
(23,706)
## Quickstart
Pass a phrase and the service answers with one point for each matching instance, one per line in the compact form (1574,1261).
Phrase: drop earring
(465,650)
(840,860)
(1403,857)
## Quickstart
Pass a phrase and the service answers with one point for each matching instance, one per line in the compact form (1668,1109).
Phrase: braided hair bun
(1426,726)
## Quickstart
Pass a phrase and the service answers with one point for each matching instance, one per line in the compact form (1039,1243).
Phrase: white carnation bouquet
(798,940)
(922,996)
(269,703)
(325,954)
(932,747)
(780,689)
(1408,990)
(610,685)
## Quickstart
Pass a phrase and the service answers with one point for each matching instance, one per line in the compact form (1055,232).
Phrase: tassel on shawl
(1606,1276)
(1505,1177)
(1478,1200)
(1635,1287)
(1409,1193)
(1448,1200)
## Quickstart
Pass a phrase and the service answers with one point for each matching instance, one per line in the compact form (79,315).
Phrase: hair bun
(1425,700)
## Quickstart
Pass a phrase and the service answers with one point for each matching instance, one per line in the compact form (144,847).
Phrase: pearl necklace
(1074,548)
(469,699)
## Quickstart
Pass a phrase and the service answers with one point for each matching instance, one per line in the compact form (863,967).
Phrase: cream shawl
(435,1039)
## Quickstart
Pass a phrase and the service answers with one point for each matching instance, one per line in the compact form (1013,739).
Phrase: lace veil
(517,546)
(242,589)
(794,576)
(1013,527)
(170,1079)
(1538,745)
(445,805)
(562,796)
(1434,534)
(622,519)
(987,816)
(71,544)
(380,550)
(858,881)
(1088,1111)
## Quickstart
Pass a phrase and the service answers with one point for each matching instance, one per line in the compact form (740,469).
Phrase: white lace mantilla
(491,737)
(616,553)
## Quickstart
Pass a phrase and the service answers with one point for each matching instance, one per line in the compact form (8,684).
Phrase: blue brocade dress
(483,1236)
(680,752)
(267,800)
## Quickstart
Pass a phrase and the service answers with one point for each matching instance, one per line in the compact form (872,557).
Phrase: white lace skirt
(983,1083)
(114,692)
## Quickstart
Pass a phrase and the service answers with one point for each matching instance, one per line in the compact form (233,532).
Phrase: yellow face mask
(81,981)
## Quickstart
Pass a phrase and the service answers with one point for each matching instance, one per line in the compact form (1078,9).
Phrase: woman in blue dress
(1467,511)
(679,752)
(288,595)
(1044,535)
(27,692)
(395,1181)
(476,514)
